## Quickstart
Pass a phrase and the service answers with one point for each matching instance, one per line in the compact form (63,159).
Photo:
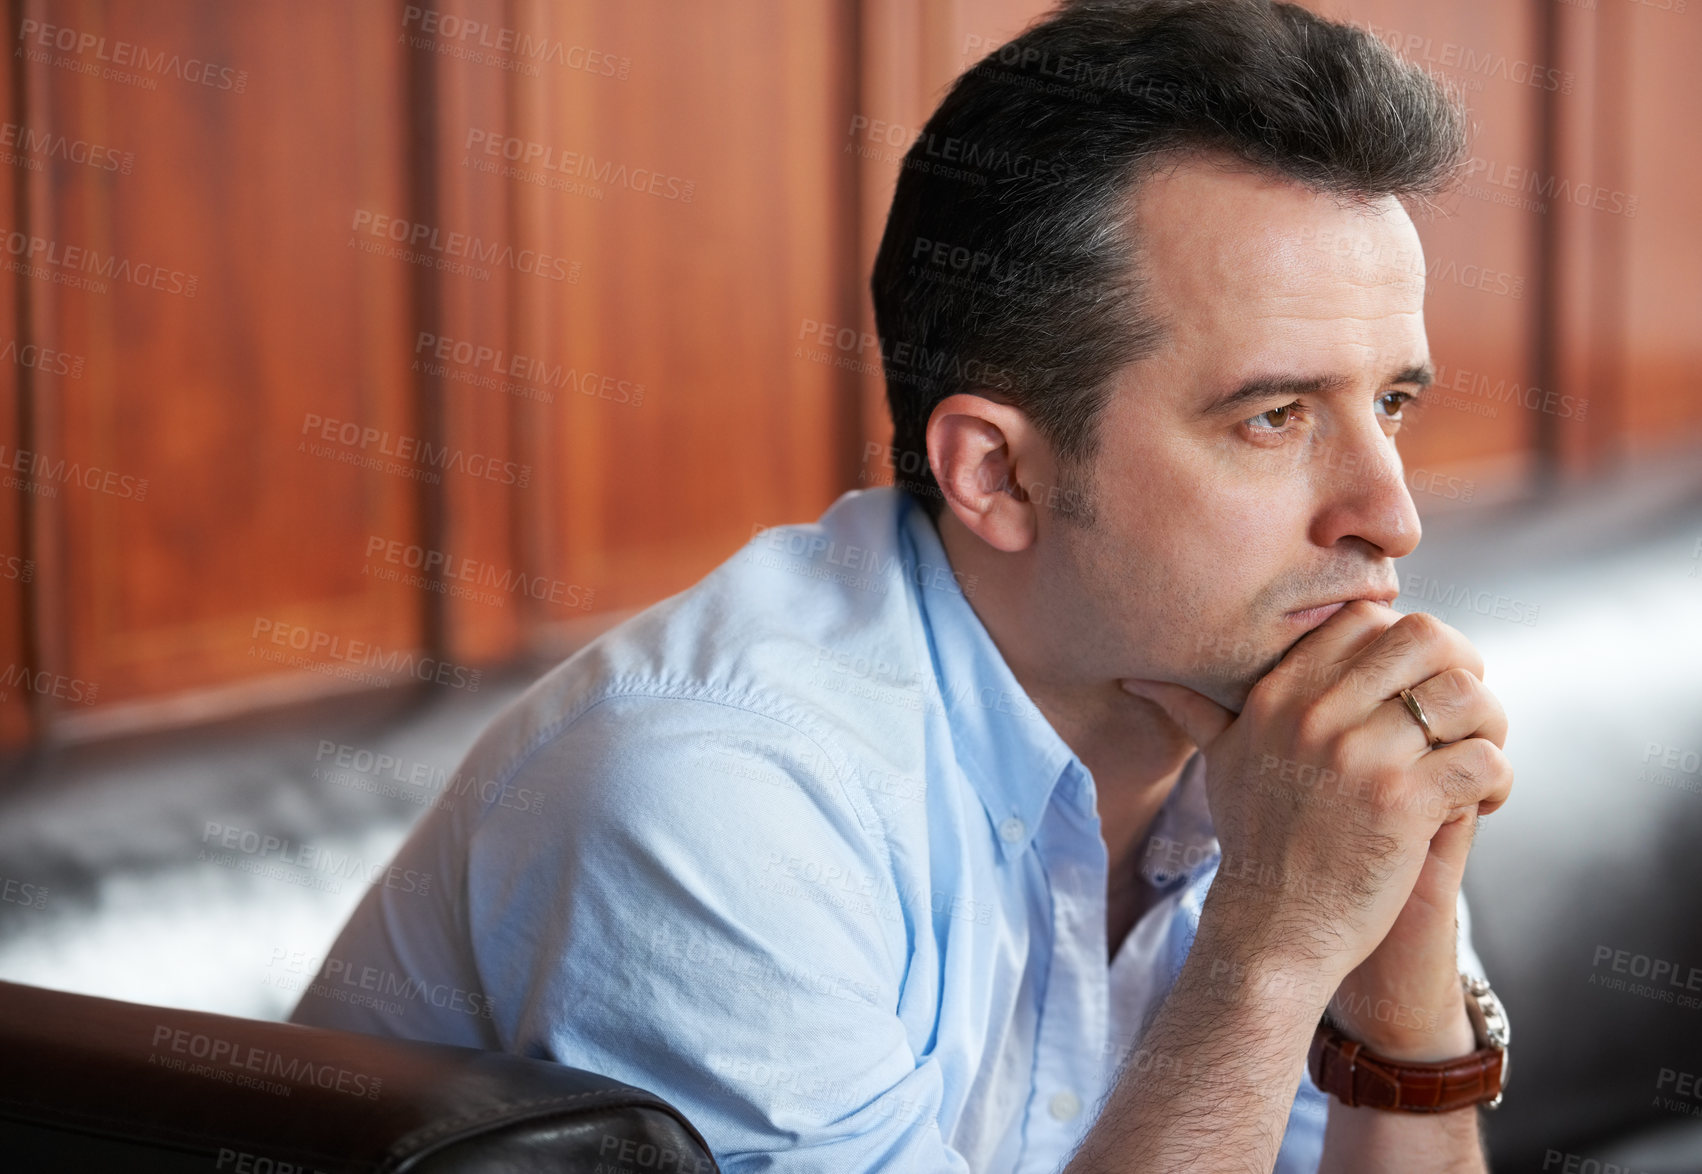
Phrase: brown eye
(1394,401)
(1276,422)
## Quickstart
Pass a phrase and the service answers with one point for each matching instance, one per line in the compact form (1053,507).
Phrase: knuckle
(1313,728)
(1363,609)
(1474,761)
(1492,758)
(1458,688)
(1502,768)
(1422,627)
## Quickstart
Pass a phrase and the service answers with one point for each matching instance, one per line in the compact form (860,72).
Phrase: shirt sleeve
(1469,962)
(698,911)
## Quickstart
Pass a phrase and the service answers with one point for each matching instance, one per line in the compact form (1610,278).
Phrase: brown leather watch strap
(1357,1076)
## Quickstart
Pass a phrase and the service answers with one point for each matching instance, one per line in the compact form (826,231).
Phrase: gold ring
(1417,712)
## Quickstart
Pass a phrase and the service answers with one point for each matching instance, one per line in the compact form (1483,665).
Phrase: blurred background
(359,361)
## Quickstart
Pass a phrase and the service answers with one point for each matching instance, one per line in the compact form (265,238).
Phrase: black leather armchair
(91,1084)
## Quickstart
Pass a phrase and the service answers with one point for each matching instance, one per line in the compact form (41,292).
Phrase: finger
(1472,774)
(1323,653)
(1201,718)
(1445,866)
(1416,647)
(1457,704)
(1450,846)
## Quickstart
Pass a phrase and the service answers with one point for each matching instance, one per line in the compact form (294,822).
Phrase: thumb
(1452,842)
(1201,718)
(1445,865)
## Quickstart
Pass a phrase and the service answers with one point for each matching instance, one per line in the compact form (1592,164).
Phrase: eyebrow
(1268,387)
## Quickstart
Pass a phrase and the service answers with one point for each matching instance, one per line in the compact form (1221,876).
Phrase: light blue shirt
(794,850)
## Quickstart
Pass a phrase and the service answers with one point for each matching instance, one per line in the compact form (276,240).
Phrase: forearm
(1211,1084)
(1402,1143)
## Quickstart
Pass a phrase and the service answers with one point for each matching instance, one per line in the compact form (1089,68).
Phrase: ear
(981,452)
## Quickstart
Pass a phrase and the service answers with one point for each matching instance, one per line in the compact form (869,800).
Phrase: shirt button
(1065,1105)
(1012,830)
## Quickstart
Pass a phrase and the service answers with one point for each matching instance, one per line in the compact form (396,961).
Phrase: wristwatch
(1358,1076)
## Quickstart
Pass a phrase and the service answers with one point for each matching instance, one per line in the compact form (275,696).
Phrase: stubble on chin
(1230,665)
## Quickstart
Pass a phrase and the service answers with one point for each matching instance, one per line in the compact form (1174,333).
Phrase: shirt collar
(1009,751)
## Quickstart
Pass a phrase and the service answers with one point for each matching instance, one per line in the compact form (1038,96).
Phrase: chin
(1233,680)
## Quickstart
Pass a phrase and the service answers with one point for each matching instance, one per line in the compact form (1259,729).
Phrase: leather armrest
(97,1084)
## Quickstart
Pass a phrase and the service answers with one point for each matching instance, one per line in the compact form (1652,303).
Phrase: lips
(1311,617)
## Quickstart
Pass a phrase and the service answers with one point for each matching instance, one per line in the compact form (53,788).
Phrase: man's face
(1216,521)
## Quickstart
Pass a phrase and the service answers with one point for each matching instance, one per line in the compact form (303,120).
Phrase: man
(1032,815)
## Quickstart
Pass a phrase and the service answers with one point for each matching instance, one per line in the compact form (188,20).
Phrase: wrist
(1247,960)
(1397,1031)
(1437,1076)
(1273,937)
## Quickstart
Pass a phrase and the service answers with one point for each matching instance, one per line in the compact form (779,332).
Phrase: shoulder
(649,755)
(806,646)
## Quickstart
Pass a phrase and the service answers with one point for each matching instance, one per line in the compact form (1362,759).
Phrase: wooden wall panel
(199,384)
(17,568)
(663,211)
(1660,312)
(481,497)
(1590,242)
(690,418)
(911,54)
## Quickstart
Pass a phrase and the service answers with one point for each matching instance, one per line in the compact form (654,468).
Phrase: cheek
(1227,550)
(1197,537)
(1254,515)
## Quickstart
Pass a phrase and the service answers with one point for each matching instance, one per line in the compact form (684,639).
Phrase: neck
(1134,752)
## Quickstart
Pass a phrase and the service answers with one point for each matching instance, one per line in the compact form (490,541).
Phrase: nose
(1360,492)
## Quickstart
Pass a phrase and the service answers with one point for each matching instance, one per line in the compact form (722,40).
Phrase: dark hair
(1007,265)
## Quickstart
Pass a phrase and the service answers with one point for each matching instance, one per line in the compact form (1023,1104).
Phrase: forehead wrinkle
(1332,316)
